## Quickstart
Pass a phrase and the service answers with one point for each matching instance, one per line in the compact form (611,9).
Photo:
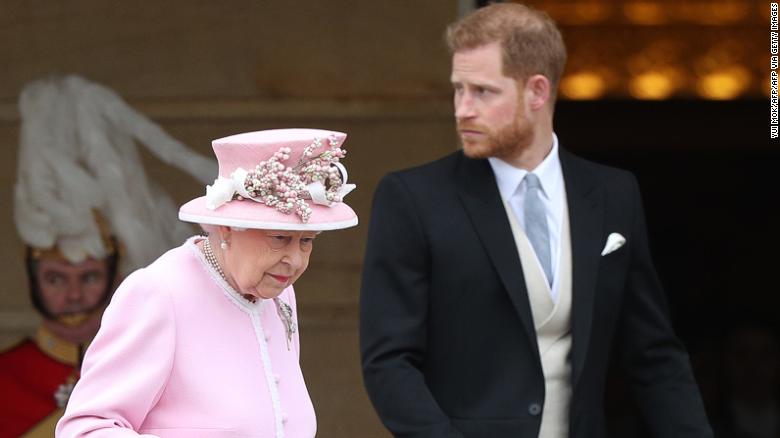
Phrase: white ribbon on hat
(318,192)
(223,189)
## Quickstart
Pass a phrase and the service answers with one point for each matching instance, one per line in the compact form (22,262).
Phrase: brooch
(285,312)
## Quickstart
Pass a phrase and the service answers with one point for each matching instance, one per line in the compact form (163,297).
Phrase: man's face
(491,120)
(70,288)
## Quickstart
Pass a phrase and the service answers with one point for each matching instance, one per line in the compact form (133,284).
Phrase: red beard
(505,142)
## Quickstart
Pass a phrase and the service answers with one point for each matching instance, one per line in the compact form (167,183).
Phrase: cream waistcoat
(552,321)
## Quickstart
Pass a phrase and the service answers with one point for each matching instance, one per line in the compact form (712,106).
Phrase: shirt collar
(508,177)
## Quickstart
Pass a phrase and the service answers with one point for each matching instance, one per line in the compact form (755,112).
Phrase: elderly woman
(204,342)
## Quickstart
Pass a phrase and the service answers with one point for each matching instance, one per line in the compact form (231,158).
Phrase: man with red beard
(87,215)
(499,280)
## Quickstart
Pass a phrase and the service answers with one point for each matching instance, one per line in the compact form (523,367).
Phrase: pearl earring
(224,245)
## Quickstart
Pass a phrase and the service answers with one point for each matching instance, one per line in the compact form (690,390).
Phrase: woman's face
(262,263)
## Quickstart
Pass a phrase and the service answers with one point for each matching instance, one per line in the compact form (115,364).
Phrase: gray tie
(536,223)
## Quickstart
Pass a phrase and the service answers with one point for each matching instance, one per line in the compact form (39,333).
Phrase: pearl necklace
(284,309)
(212,259)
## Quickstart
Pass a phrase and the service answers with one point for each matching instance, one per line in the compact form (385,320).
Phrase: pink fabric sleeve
(127,365)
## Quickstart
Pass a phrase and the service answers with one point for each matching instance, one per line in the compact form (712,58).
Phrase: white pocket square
(614,241)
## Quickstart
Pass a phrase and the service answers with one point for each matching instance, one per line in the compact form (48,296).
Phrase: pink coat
(181,354)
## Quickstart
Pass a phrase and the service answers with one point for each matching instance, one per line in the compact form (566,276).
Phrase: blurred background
(676,91)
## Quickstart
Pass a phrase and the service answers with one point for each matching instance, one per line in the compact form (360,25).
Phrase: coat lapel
(480,196)
(586,221)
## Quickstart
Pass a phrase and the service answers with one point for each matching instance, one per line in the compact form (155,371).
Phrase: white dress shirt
(509,180)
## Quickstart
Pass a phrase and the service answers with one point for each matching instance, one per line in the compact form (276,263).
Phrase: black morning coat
(447,339)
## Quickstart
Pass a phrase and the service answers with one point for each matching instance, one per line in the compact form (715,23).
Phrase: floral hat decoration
(279,179)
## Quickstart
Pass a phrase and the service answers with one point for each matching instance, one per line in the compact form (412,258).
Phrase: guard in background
(88,217)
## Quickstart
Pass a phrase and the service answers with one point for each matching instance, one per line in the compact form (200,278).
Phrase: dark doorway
(708,175)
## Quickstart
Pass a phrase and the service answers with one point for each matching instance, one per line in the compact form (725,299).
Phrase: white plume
(78,153)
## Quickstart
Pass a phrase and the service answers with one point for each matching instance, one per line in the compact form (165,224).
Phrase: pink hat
(280,179)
